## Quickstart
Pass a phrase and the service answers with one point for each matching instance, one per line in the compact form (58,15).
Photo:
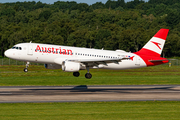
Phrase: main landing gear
(87,75)
(76,74)
(27,65)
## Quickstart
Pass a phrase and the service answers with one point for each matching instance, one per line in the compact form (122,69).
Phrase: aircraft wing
(95,62)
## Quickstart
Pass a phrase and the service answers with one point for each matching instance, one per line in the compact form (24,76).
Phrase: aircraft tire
(88,75)
(25,70)
(76,74)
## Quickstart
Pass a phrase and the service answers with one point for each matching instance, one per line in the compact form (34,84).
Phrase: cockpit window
(18,48)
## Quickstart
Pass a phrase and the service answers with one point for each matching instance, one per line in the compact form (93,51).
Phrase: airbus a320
(74,59)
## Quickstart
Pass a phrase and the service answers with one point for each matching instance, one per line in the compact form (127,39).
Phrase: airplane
(74,59)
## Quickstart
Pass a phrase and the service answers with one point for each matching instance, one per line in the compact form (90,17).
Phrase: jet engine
(52,66)
(68,66)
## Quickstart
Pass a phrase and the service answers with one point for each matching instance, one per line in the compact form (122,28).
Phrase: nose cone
(7,53)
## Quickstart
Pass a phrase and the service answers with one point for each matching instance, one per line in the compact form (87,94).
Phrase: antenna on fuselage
(30,41)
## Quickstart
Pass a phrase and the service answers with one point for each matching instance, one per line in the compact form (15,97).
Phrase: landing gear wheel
(25,70)
(27,65)
(76,74)
(88,75)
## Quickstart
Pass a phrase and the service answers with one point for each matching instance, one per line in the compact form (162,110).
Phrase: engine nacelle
(52,66)
(70,66)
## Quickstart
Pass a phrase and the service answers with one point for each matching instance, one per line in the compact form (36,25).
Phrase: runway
(83,93)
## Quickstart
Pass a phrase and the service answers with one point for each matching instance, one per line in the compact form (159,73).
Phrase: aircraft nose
(7,53)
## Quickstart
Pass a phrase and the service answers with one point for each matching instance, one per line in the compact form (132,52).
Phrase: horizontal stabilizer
(158,60)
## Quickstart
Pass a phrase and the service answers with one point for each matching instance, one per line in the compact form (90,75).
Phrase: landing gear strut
(88,75)
(27,65)
(76,74)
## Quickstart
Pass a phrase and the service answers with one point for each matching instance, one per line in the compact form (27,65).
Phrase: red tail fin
(155,45)
(151,52)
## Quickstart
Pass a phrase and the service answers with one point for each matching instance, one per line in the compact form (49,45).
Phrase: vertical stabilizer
(155,45)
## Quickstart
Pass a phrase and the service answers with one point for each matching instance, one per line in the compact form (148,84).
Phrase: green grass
(38,75)
(151,110)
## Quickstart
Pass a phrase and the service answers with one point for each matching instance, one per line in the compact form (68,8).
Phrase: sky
(52,1)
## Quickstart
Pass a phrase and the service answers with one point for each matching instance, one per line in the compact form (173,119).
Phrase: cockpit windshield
(18,48)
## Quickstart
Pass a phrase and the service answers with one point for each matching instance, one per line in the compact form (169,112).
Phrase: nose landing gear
(27,65)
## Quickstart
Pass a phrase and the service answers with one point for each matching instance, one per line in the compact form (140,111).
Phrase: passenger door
(30,50)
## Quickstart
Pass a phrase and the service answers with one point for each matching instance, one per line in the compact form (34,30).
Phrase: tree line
(113,25)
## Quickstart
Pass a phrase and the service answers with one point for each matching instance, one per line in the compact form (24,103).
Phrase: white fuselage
(55,54)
